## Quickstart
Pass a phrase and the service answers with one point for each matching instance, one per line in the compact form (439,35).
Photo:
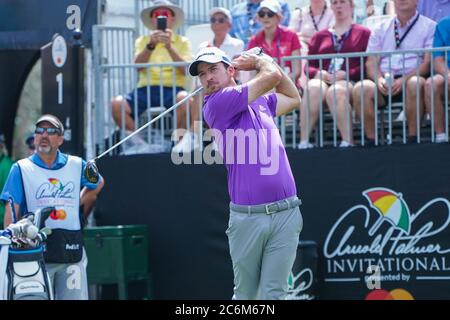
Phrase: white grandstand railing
(110,45)
(379,123)
(115,74)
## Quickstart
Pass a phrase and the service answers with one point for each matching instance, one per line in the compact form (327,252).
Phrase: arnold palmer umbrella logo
(55,182)
(391,207)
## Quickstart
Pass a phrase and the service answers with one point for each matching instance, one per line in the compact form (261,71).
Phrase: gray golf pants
(263,249)
(69,280)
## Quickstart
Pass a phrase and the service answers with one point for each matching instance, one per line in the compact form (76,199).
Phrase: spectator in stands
(277,41)
(310,19)
(245,23)
(220,19)
(368,8)
(161,46)
(5,165)
(436,87)
(332,82)
(405,31)
(434,9)
(29,141)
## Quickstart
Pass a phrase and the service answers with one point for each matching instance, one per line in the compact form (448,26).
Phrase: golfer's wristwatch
(150,46)
(256,51)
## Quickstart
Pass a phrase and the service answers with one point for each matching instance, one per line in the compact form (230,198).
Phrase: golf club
(91,170)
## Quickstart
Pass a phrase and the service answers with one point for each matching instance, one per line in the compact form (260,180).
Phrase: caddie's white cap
(53,120)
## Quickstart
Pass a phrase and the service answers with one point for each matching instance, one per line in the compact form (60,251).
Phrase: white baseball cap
(272,5)
(208,55)
(222,10)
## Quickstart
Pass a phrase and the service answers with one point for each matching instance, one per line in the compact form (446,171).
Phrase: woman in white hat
(276,40)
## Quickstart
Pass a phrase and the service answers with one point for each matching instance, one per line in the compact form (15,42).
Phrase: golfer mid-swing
(265,220)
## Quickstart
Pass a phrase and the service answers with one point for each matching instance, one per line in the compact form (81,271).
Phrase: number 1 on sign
(59,79)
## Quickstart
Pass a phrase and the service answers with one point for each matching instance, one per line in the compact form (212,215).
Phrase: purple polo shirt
(382,38)
(258,167)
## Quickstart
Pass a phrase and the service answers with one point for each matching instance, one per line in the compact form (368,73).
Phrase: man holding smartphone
(162,45)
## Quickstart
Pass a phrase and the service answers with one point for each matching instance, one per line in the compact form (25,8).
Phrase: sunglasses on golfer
(162,12)
(263,13)
(50,131)
(218,20)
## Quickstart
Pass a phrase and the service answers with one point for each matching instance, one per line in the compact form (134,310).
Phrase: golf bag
(26,275)
(23,275)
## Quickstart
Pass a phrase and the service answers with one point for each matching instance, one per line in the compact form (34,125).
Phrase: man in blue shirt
(245,23)
(51,178)
(435,86)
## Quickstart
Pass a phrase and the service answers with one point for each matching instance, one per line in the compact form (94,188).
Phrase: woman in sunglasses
(277,41)
(332,81)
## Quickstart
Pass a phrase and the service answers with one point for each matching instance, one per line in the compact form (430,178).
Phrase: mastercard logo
(396,294)
(58,215)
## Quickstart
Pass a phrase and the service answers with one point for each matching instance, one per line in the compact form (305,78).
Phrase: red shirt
(284,42)
(322,43)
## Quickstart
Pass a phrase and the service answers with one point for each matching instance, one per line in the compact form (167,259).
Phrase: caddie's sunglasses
(165,13)
(50,131)
(218,20)
(262,13)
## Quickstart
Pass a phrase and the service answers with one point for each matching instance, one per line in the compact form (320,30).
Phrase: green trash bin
(117,255)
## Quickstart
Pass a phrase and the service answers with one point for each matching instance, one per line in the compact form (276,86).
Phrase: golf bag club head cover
(42,215)
(23,228)
(91,172)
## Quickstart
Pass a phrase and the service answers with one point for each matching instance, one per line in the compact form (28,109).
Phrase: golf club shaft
(176,105)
